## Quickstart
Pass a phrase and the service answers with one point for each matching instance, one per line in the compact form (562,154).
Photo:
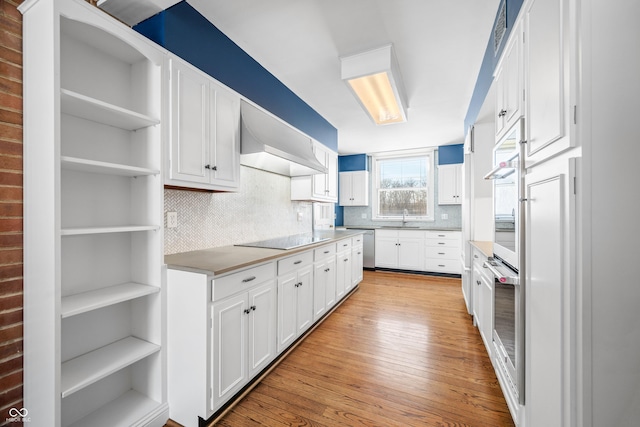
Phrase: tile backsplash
(260,210)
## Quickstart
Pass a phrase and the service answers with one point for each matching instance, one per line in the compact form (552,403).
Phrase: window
(403,185)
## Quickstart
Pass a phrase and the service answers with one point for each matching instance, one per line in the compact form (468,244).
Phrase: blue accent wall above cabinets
(485,76)
(184,31)
(450,154)
(351,163)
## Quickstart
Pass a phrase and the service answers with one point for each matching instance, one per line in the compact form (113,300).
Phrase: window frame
(430,188)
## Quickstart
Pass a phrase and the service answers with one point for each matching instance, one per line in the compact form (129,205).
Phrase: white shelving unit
(93,233)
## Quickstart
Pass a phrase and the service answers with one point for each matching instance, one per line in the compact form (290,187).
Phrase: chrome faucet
(404,217)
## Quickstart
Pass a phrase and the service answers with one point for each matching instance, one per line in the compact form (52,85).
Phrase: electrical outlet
(299,216)
(172,219)
(444,216)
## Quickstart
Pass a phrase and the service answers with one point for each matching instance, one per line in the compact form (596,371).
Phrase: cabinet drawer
(443,235)
(343,245)
(294,262)
(241,281)
(357,240)
(442,243)
(451,266)
(443,252)
(324,252)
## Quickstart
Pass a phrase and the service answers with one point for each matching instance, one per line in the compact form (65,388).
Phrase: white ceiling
(439,45)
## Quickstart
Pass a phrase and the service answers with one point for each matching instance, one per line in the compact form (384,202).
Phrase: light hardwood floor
(401,351)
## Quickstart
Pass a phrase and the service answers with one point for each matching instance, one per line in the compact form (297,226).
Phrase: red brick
(10,162)
(11,71)
(10,224)
(10,240)
(10,302)
(11,55)
(10,193)
(12,350)
(11,41)
(11,87)
(10,209)
(10,9)
(10,132)
(10,178)
(11,102)
(11,333)
(12,271)
(10,256)
(10,398)
(13,26)
(12,380)
(10,318)
(11,286)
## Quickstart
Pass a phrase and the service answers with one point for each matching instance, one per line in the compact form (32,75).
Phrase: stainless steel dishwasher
(368,247)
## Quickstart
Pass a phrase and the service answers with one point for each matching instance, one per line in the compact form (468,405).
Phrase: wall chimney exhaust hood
(269,144)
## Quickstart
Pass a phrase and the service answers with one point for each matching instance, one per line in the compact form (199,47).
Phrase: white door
(348,268)
(449,184)
(330,293)
(386,253)
(304,299)
(486,312)
(229,364)
(360,188)
(287,305)
(320,189)
(332,176)
(356,265)
(225,138)
(190,125)
(346,192)
(548,266)
(341,265)
(262,327)
(410,254)
(320,276)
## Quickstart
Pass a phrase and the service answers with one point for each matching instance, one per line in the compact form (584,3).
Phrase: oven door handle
(506,280)
(508,167)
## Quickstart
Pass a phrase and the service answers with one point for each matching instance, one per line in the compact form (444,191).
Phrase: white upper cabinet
(509,83)
(547,74)
(319,187)
(450,184)
(354,188)
(204,147)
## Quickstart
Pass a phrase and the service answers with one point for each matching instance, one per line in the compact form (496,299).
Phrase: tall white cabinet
(93,308)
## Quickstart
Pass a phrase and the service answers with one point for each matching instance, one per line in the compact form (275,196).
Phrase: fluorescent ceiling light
(374,78)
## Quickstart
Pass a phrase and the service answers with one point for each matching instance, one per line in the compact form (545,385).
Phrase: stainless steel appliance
(368,247)
(508,264)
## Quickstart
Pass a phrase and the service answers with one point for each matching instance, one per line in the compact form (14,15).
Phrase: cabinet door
(229,365)
(386,253)
(357,258)
(319,181)
(449,184)
(287,305)
(486,312)
(330,292)
(341,265)
(225,138)
(348,268)
(476,285)
(360,188)
(320,276)
(513,77)
(501,110)
(411,254)
(304,303)
(346,190)
(262,327)
(547,91)
(548,303)
(189,125)
(332,176)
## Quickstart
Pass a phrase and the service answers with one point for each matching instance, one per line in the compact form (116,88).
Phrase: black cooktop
(286,242)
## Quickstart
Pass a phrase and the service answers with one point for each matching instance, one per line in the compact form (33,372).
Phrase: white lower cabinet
(357,260)
(442,251)
(482,284)
(243,341)
(343,268)
(324,280)
(400,249)
(295,297)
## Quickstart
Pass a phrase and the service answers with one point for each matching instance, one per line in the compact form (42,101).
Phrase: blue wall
(182,30)
(450,154)
(354,162)
(485,76)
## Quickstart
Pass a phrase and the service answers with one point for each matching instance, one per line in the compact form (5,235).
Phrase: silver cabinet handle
(248,279)
(298,262)
(507,280)
(326,252)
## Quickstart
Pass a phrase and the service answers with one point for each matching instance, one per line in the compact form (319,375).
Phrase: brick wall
(10,208)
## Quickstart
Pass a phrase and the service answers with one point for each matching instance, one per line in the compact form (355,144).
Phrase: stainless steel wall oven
(507,264)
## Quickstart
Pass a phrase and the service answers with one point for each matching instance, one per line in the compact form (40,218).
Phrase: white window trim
(375,180)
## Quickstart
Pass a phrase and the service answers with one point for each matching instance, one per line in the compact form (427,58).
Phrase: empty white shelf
(94,166)
(85,107)
(85,370)
(127,410)
(93,300)
(76,231)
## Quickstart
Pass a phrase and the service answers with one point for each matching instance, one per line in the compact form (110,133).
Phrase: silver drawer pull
(440,265)
(359,253)
(248,279)
(326,252)
(298,262)
(440,243)
(442,235)
(346,259)
(346,244)
(440,253)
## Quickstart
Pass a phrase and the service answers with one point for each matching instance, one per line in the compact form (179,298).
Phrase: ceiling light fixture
(374,78)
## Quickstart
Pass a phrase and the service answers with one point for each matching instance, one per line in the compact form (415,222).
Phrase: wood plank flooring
(401,351)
